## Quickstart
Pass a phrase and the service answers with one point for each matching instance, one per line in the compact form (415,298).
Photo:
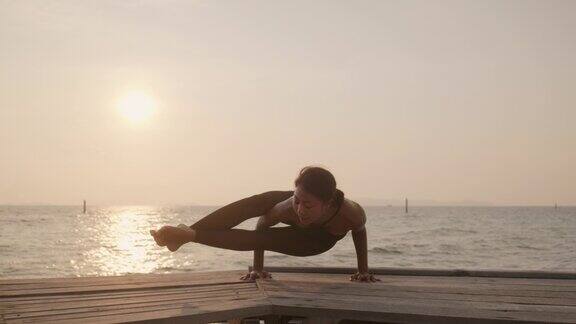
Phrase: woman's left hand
(363,277)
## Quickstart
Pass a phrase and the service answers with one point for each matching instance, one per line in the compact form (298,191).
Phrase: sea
(62,241)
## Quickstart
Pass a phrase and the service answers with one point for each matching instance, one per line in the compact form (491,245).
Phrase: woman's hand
(253,275)
(363,277)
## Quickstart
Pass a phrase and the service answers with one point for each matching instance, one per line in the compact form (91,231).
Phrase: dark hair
(320,183)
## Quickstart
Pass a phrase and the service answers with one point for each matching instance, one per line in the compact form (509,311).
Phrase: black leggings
(216,229)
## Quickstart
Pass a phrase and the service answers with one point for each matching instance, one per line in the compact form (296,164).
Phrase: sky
(444,101)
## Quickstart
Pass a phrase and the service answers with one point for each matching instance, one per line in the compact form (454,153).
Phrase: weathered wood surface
(403,297)
(185,298)
(433,272)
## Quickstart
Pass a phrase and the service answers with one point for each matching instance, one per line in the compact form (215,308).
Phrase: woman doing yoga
(317,213)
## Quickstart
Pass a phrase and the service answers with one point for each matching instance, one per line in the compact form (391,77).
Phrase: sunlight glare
(137,107)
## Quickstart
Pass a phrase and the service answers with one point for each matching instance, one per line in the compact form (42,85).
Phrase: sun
(137,107)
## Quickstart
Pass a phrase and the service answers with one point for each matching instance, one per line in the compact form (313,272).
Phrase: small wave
(446,250)
(449,247)
(385,250)
(276,256)
(344,255)
(442,231)
(528,247)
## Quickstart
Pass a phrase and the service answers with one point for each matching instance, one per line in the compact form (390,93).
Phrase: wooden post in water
(555,205)
(406,205)
(84,209)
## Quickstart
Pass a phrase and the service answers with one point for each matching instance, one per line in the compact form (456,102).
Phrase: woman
(317,212)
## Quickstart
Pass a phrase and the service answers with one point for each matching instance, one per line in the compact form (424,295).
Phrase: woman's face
(307,206)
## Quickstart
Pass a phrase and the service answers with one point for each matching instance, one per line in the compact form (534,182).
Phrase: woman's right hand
(253,275)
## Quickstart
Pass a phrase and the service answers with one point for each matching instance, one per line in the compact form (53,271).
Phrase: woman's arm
(361,244)
(360,238)
(265,221)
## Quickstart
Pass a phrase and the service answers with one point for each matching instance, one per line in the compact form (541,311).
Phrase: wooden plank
(443,283)
(104,288)
(129,279)
(30,310)
(180,316)
(484,280)
(72,290)
(409,313)
(360,291)
(567,290)
(136,276)
(428,283)
(157,281)
(381,317)
(403,279)
(429,299)
(344,288)
(432,272)
(132,291)
(127,305)
(144,285)
(84,306)
(431,287)
(431,284)
(180,313)
(117,277)
(159,293)
(378,301)
(526,289)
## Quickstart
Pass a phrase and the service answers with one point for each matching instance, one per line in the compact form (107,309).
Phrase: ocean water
(52,241)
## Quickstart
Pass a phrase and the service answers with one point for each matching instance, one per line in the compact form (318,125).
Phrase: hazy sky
(443,100)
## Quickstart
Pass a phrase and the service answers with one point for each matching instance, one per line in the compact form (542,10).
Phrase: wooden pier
(296,295)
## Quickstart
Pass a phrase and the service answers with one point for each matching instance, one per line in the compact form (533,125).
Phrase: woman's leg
(239,211)
(222,219)
(287,240)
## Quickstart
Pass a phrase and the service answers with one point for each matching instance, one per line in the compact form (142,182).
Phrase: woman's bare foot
(173,237)
(157,238)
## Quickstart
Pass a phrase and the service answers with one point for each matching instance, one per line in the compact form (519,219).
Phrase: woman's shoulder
(282,211)
(355,214)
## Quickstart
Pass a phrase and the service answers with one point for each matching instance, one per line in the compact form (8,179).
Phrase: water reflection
(51,241)
(125,245)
